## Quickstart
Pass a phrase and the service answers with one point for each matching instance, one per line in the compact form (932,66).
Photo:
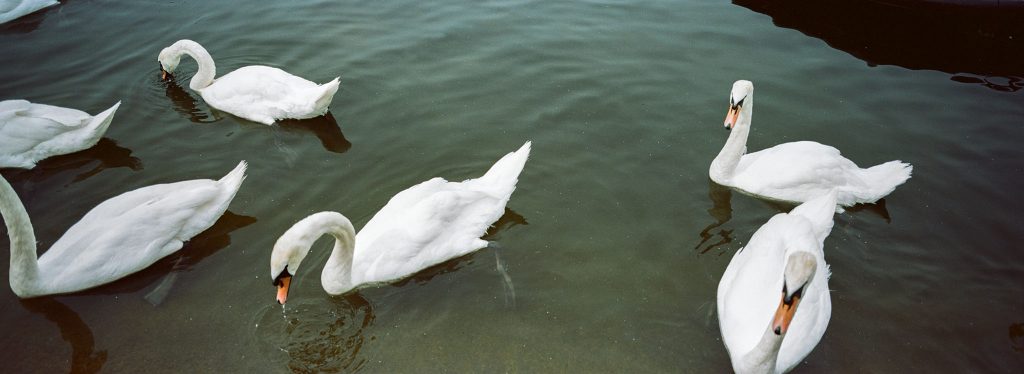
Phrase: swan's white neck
(207,70)
(337,275)
(763,358)
(723,167)
(24,274)
(293,246)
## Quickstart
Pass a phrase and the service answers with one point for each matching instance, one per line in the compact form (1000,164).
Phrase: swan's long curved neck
(763,358)
(24,272)
(724,165)
(207,70)
(337,275)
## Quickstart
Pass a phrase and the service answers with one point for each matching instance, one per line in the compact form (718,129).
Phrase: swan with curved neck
(257,93)
(773,300)
(31,132)
(795,172)
(420,227)
(118,237)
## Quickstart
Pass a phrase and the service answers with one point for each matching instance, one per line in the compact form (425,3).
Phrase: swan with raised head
(14,9)
(257,93)
(798,171)
(31,132)
(773,301)
(118,237)
(422,226)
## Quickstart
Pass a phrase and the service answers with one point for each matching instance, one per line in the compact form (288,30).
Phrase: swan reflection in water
(84,356)
(317,334)
(106,154)
(721,212)
(324,127)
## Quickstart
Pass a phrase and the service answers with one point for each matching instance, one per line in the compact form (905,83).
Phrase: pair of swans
(257,93)
(118,237)
(422,226)
(31,132)
(782,268)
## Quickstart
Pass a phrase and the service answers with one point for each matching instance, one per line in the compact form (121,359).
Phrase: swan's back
(131,231)
(263,93)
(434,221)
(11,10)
(31,132)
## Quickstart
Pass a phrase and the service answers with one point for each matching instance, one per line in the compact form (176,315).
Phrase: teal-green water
(610,254)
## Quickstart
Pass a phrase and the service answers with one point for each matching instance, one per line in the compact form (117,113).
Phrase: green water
(610,254)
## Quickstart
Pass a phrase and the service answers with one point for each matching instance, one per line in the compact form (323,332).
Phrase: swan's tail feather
(884,178)
(501,178)
(323,101)
(233,180)
(101,122)
(819,212)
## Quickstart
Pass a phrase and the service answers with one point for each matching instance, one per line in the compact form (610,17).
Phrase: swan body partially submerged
(31,132)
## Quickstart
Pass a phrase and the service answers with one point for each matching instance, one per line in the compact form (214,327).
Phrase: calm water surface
(610,253)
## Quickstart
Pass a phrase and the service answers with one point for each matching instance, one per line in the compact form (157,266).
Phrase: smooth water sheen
(610,253)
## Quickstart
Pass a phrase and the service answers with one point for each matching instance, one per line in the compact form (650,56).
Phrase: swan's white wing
(128,233)
(10,10)
(262,94)
(796,171)
(24,126)
(422,226)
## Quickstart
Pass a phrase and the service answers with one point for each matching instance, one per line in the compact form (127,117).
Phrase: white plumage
(796,172)
(14,9)
(118,237)
(257,93)
(752,286)
(31,132)
(422,226)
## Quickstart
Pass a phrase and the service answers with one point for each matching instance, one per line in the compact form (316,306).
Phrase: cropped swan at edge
(422,226)
(11,10)
(797,171)
(118,237)
(773,299)
(257,93)
(31,132)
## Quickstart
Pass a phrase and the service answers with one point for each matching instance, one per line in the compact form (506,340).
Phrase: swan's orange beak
(163,73)
(282,289)
(784,315)
(730,117)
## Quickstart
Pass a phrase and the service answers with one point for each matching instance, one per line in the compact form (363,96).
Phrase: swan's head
(740,90)
(289,251)
(800,269)
(169,58)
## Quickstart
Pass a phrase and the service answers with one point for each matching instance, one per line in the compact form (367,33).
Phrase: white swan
(118,237)
(773,301)
(797,171)
(32,132)
(424,225)
(14,9)
(257,93)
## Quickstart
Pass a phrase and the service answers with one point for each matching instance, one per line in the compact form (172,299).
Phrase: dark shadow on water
(713,235)
(1017,337)
(977,45)
(165,270)
(84,357)
(106,154)
(316,336)
(324,128)
(186,104)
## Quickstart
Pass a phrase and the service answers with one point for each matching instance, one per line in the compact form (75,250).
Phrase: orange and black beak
(730,117)
(282,282)
(164,74)
(787,309)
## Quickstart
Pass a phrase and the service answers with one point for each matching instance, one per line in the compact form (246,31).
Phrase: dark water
(610,253)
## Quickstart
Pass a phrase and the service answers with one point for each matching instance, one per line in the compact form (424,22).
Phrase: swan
(118,237)
(14,9)
(425,225)
(773,301)
(32,132)
(257,93)
(798,171)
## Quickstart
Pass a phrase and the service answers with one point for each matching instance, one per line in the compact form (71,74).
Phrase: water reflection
(84,357)
(979,45)
(721,212)
(106,154)
(312,336)
(1017,337)
(185,103)
(324,127)
(207,243)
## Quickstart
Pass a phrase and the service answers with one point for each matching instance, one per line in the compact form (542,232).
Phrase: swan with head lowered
(798,171)
(773,301)
(118,237)
(257,93)
(422,226)
(31,132)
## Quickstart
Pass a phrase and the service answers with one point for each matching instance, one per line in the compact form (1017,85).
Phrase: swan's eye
(741,101)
